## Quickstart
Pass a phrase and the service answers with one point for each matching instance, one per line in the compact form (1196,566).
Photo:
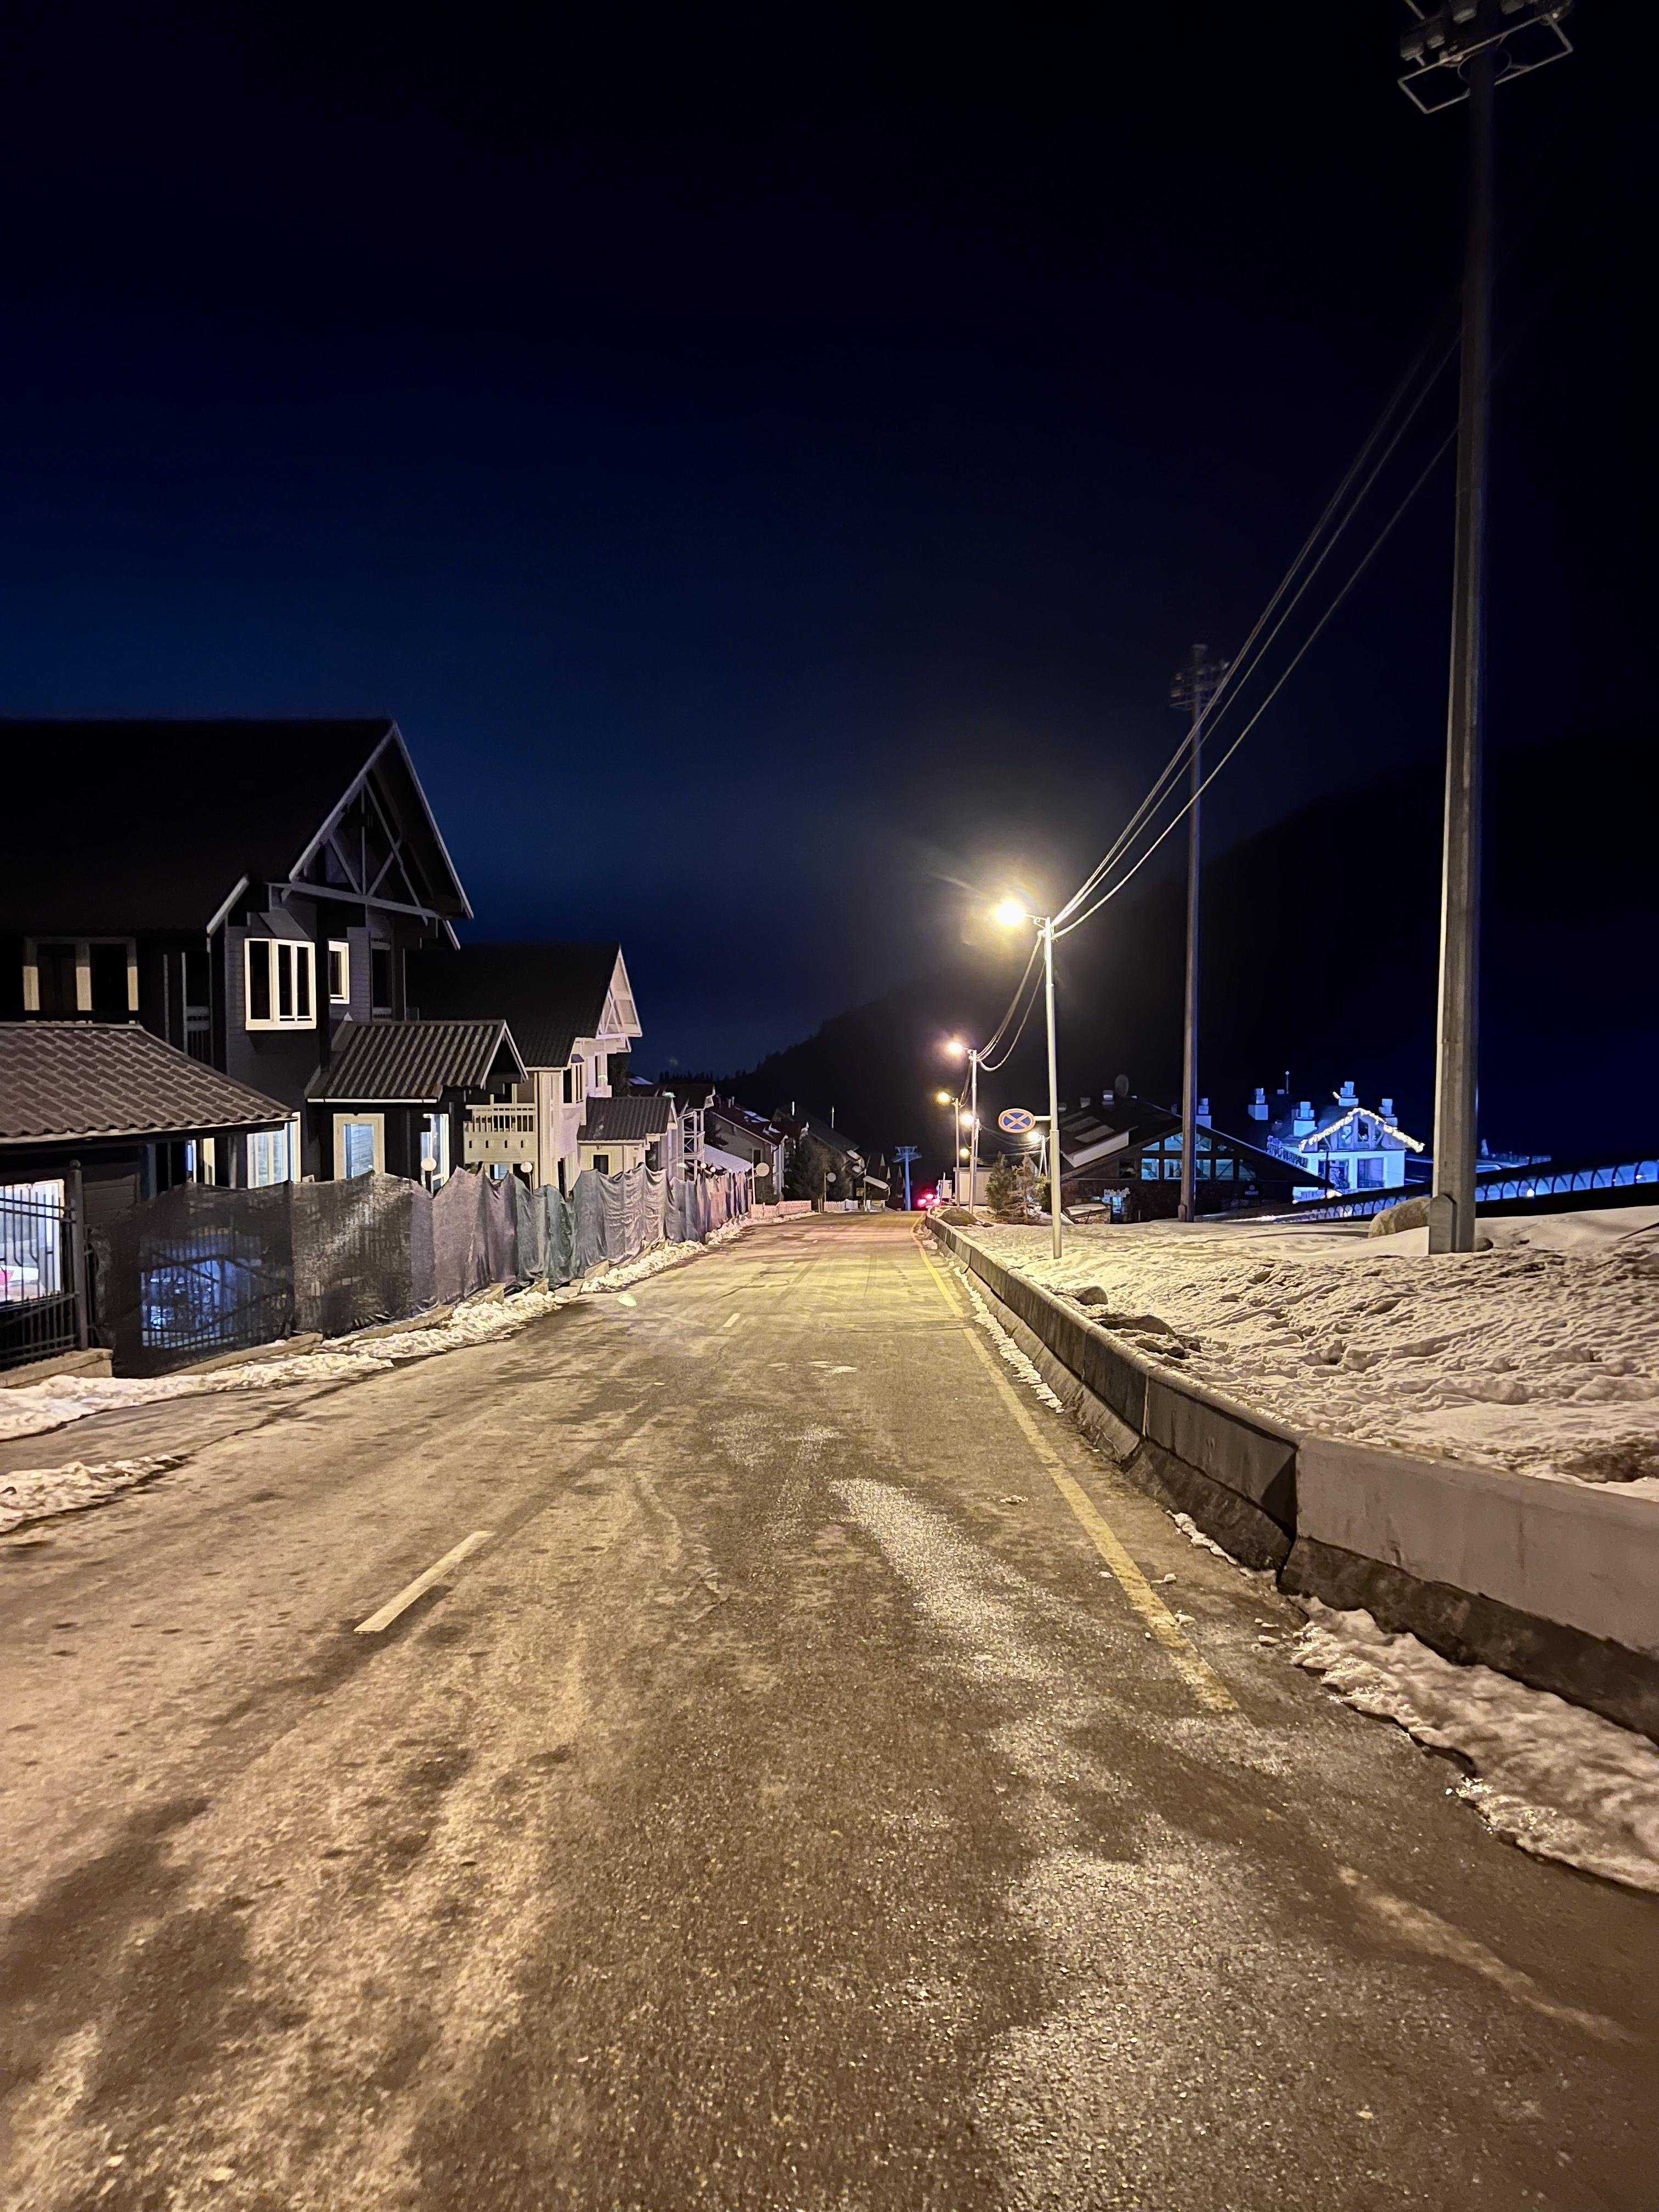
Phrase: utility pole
(1193,688)
(1048,928)
(1456,55)
(973,1125)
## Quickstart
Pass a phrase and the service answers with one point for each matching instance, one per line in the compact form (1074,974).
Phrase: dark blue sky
(770,466)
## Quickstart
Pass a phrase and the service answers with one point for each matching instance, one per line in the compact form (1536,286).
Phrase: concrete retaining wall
(1555,1582)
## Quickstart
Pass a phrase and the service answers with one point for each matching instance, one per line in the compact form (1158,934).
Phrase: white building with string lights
(1350,1146)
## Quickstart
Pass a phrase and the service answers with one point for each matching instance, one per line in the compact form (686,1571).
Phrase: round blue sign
(1017,1120)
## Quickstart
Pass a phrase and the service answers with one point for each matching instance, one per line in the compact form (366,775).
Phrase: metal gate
(40,1305)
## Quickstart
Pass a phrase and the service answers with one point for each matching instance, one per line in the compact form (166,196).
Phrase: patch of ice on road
(32,1493)
(1562,1782)
(964,1590)
(32,1408)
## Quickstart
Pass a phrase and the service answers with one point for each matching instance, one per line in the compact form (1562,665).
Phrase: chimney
(1387,1109)
(1203,1112)
(1258,1105)
(1349,1097)
(1083,1104)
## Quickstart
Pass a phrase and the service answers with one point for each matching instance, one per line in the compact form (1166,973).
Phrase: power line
(1246,660)
(1356,574)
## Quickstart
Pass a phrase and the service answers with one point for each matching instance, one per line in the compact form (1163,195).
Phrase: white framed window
(576,1083)
(280,977)
(339,972)
(267,1157)
(32,1217)
(359,1145)
(435,1150)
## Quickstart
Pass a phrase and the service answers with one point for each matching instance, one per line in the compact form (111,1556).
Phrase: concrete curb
(1556,1582)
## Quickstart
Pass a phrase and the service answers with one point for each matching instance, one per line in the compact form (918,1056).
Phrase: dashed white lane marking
(730,1321)
(406,1596)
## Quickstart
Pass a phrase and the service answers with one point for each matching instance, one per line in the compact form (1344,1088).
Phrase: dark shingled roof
(551,995)
(627,1120)
(156,821)
(81,1080)
(413,1063)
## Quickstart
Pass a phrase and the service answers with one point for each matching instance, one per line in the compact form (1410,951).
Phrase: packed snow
(1540,1354)
(32,1408)
(31,1493)
(1561,1782)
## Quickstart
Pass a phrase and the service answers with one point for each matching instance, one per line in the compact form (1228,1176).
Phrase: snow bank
(32,1408)
(1540,1356)
(1560,1782)
(30,1493)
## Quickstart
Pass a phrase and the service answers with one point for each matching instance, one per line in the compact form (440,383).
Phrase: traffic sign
(1017,1120)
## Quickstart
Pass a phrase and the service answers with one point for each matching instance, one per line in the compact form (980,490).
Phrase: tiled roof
(79,1080)
(551,994)
(627,1121)
(413,1063)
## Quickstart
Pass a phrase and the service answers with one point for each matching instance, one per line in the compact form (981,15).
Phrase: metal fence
(1544,1187)
(40,1310)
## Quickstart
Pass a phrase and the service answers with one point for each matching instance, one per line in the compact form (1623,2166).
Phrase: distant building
(1347,1144)
(1123,1153)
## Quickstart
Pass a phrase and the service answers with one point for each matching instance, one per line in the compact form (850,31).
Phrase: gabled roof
(630,1119)
(76,1081)
(551,995)
(388,1063)
(161,823)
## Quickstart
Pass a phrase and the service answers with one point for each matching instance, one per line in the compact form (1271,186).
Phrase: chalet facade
(570,1008)
(1346,1146)
(1124,1154)
(248,892)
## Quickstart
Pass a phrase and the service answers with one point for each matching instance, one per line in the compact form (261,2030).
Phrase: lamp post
(1010,914)
(955,1047)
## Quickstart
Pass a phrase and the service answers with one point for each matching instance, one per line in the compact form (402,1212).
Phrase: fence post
(77,1226)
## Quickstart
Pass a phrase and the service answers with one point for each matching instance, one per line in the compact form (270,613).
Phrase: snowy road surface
(821,1784)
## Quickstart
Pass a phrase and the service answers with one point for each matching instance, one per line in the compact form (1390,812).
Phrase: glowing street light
(1009,915)
(943,1099)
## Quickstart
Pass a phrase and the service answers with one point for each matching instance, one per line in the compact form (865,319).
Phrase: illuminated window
(267,1158)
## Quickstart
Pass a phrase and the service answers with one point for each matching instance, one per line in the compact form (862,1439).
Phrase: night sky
(771,462)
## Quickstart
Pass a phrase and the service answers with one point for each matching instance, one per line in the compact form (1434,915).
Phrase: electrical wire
(990,1068)
(1440,451)
(1246,662)
(1539,308)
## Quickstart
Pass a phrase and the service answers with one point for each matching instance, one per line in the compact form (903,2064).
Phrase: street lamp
(955,1047)
(1009,915)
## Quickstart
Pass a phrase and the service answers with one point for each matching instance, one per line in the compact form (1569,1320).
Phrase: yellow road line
(1205,1685)
(406,1596)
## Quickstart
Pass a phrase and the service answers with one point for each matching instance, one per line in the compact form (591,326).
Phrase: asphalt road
(799,1801)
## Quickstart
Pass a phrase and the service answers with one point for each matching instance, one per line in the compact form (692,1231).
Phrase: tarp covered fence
(202,1270)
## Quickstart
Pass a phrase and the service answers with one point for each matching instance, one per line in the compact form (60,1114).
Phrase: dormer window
(281,975)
